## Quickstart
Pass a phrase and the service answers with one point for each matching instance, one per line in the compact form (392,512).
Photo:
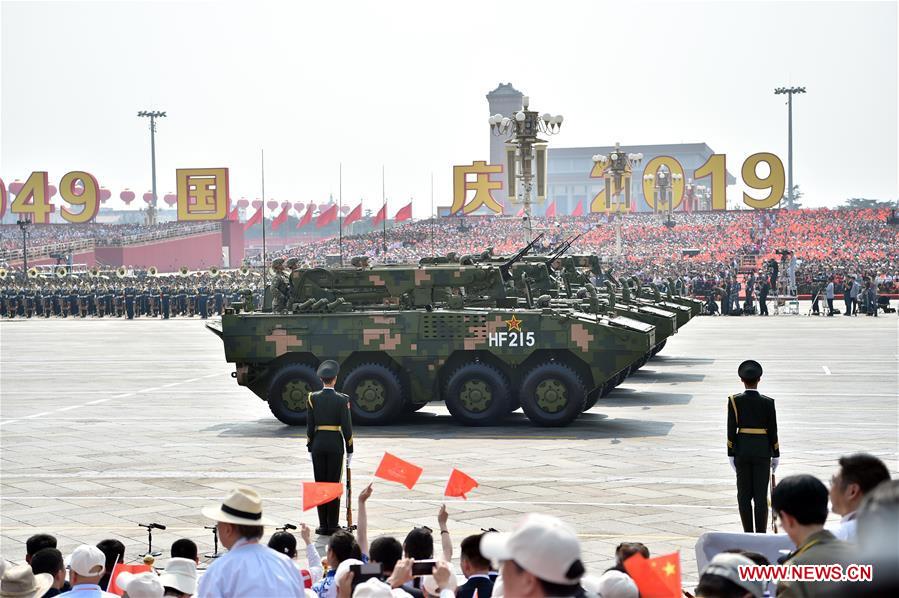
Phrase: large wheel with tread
(659,347)
(376,395)
(288,392)
(477,394)
(552,394)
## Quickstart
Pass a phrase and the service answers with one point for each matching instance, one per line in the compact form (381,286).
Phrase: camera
(366,571)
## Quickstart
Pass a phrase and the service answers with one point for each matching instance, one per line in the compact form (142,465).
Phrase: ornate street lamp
(620,165)
(152,115)
(23,223)
(523,147)
(662,183)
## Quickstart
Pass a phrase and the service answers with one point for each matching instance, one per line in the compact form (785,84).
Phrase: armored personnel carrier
(407,335)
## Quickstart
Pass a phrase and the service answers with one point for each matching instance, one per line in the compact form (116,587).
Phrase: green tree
(855,203)
(785,202)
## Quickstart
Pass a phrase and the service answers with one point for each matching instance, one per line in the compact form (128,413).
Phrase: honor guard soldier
(328,428)
(280,286)
(752,446)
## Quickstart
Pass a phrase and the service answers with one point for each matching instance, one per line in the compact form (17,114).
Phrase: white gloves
(732,464)
(349,459)
(775,461)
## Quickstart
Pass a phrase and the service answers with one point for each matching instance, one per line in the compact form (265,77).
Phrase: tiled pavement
(106,424)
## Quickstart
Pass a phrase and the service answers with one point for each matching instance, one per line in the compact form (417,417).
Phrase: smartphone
(420,568)
(366,571)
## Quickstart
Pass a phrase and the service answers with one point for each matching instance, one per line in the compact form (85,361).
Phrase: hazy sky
(403,84)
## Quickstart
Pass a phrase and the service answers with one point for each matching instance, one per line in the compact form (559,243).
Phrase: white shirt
(251,569)
(847,531)
(315,569)
(88,590)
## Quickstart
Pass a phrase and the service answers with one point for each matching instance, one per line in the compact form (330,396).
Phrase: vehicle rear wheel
(659,347)
(552,394)
(288,392)
(376,395)
(477,394)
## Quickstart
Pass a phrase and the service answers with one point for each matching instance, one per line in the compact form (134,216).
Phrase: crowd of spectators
(540,556)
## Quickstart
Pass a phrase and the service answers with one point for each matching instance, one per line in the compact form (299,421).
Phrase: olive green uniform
(752,442)
(280,292)
(329,428)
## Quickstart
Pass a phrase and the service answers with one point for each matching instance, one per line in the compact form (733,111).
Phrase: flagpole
(384,221)
(340,210)
(433,215)
(264,256)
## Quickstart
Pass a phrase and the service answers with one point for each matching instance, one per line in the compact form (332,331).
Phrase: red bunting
(459,484)
(319,493)
(353,216)
(659,577)
(280,219)
(253,220)
(395,469)
(405,213)
(327,217)
(380,216)
(307,217)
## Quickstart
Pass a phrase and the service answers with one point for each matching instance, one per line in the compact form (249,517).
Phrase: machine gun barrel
(504,268)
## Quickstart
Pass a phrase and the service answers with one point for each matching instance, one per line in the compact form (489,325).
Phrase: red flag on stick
(234,215)
(280,219)
(405,213)
(459,484)
(319,493)
(395,469)
(520,213)
(121,568)
(253,220)
(307,217)
(380,216)
(353,216)
(551,210)
(327,217)
(579,209)
(659,577)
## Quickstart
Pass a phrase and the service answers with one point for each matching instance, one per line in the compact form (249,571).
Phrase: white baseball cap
(180,574)
(727,565)
(615,584)
(542,545)
(88,561)
(142,585)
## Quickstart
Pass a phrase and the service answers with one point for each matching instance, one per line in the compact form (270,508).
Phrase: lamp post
(522,128)
(620,164)
(789,91)
(23,223)
(152,115)
(662,180)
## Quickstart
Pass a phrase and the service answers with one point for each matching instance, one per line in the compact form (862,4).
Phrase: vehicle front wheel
(288,392)
(477,394)
(552,394)
(376,395)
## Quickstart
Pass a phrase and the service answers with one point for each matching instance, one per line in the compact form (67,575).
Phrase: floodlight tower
(789,91)
(152,115)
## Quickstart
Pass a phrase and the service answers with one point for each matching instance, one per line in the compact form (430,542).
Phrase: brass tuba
(184,271)
(32,272)
(152,271)
(3,273)
(120,272)
(213,272)
(95,272)
(61,272)
(244,270)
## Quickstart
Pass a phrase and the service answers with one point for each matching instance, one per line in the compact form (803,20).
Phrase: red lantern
(257,204)
(105,194)
(127,196)
(148,196)
(285,205)
(272,205)
(311,205)
(51,191)
(170,198)
(16,186)
(298,206)
(243,204)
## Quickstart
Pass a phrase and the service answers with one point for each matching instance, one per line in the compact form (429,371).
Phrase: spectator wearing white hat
(87,565)
(140,585)
(180,577)
(541,557)
(249,568)
(21,582)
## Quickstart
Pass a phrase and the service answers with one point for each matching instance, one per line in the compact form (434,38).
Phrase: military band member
(280,287)
(329,427)
(752,446)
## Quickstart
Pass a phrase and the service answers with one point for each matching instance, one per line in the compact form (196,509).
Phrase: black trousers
(763,305)
(753,474)
(327,467)
(830,307)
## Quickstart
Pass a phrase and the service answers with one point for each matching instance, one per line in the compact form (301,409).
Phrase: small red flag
(395,469)
(380,216)
(234,215)
(405,213)
(353,216)
(253,220)
(579,209)
(319,493)
(120,568)
(550,210)
(659,577)
(327,217)
(520,213)
(459,484)
(307,217)
(280,219)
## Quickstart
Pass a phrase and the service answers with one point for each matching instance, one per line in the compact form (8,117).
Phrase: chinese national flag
(119,568)
(579,209)
(395,469)
(327,217)
(234,215)
(656,578)
(280,219)
(353,216)
(380,216)
(405,213)
(459,484)
(319,493)
(306,219)
(551,210)
(253,220)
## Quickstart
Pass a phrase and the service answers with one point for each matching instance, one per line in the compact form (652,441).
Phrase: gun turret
(505,267)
